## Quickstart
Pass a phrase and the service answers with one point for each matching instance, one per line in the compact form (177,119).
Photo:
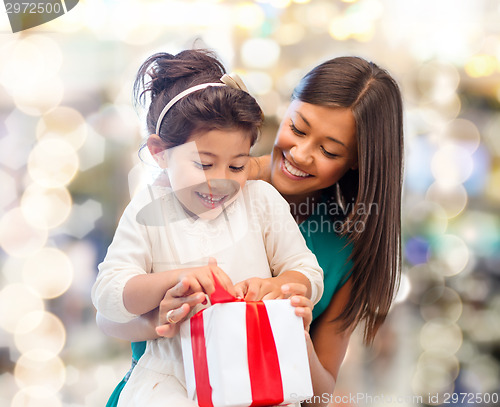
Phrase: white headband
(232,80)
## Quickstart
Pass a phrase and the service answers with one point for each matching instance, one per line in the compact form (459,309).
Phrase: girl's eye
(295,130)
(237,169)
(202,166)
(328,154)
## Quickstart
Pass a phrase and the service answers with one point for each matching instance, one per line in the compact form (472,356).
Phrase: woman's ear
(157,150)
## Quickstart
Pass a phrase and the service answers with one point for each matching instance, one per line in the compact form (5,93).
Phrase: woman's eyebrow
(303,118)
(309,125)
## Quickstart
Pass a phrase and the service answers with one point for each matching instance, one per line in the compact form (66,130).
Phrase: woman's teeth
(294,171)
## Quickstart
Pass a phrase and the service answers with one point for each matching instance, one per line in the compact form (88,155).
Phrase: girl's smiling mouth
(210,200)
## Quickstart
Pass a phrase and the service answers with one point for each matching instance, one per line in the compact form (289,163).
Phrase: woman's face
(314,148)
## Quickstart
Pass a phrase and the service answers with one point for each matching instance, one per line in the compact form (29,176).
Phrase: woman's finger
(290,289)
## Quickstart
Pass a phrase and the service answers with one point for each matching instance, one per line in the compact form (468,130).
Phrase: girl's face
(209,170)
(314,148)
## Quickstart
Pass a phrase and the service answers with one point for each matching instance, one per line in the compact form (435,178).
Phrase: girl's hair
(375,101)
(163,76)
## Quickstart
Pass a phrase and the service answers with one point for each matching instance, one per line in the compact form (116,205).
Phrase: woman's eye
(202,166)
(295,130)
(237,169)
(328,154)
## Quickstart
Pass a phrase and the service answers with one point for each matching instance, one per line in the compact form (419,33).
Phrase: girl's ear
(157,150)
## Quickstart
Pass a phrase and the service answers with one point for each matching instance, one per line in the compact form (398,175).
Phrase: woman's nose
(301,153)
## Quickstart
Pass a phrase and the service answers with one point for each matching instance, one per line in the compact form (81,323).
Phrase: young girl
(202,125)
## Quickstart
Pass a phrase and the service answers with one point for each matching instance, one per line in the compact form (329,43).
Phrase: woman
(337,160)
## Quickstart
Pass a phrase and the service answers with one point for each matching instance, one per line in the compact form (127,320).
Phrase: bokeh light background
(69,137)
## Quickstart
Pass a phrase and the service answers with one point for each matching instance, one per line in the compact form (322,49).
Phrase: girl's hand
(177,304)
(303,305)
(201,279)
(257,289)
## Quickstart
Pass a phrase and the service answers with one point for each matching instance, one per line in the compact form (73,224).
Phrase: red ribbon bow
(265,375)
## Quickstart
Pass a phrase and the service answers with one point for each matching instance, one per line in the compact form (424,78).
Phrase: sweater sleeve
(129,254)
(285,246)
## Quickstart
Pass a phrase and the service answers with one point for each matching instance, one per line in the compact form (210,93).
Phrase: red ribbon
(263,363)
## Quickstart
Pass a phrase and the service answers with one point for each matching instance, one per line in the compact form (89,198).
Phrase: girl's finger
(223,279)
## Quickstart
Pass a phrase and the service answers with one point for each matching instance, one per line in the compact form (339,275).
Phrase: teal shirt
(332,254)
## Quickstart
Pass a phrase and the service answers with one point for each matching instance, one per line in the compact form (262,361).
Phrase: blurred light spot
(9,190)
(260,53)
(19,238)
(417,250)
(357,22)
(430,380)
(442,303)
(427,219)
(493,187)
(269,103)
(423,278)
(432,359)
(40,330)
(480,66)
(477,182)
(438,82)
(418,175)
(451,165)
(480,231)
(289,33)
(32,397)
(484,371)
(45,208)
(490,133)
(452,252)
(441,336)
(92,153)
(248,15)
(452,199)
(49,272)
(19,300)
(463,132)
(39,373)
(83,218)
(37,100)
(259,83)
(40,51)
(116,122)
(280,3)
(404,289)
(53,163)
(11,270)
(14,151)
(63,122)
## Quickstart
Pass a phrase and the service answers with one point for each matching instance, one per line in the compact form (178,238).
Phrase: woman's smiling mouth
(292,171)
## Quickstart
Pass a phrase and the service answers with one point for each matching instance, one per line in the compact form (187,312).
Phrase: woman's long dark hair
(375,101)
(163,76)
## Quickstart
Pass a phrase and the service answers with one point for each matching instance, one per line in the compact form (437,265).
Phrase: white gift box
(233,379)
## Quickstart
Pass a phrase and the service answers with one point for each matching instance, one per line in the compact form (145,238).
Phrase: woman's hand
(303,305)
(176,304)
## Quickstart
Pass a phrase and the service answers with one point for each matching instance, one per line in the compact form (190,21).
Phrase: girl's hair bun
(173,73)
